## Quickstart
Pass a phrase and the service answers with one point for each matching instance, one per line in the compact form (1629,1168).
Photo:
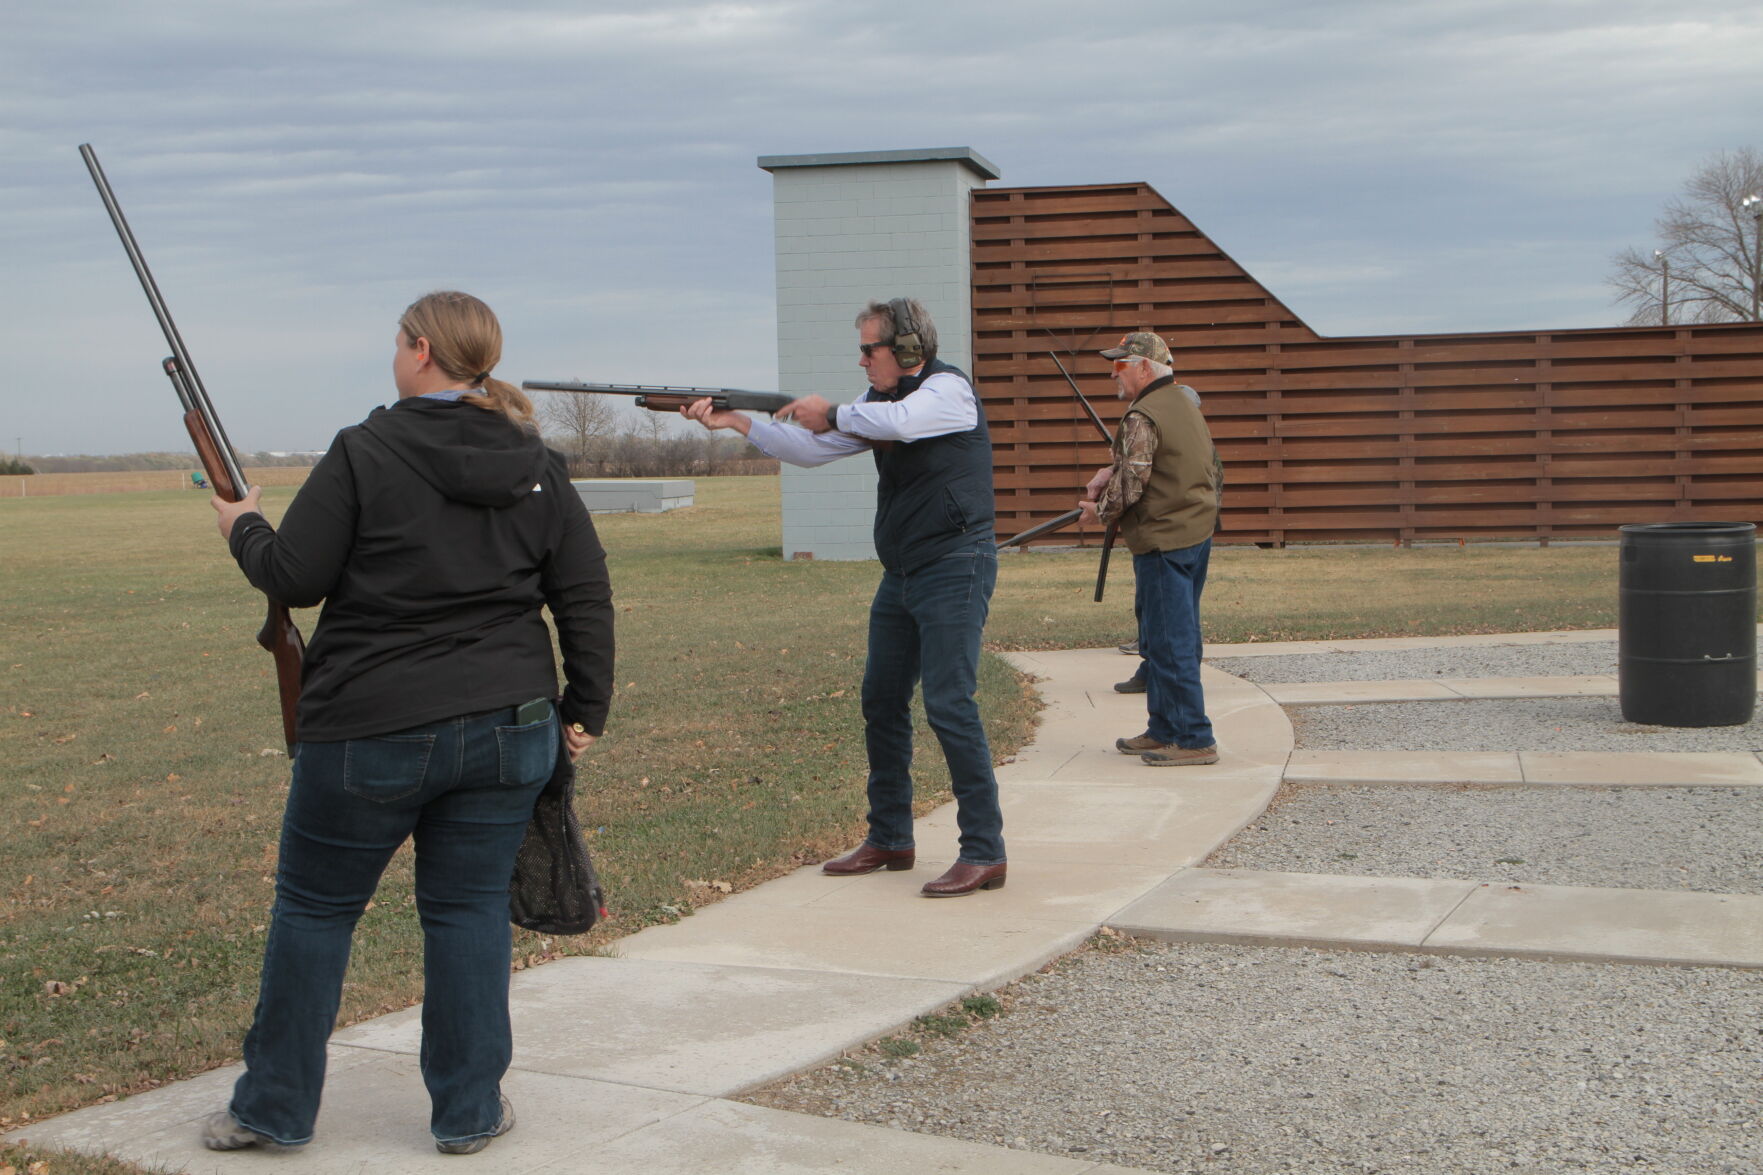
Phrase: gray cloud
(297,172)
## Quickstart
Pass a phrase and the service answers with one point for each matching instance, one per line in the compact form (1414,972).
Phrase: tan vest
(1179,507)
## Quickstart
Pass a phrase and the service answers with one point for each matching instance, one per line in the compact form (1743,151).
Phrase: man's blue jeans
(1167,598)
(464,789)
(927,625)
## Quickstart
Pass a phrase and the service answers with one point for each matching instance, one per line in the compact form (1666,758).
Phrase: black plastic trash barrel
(1687,627)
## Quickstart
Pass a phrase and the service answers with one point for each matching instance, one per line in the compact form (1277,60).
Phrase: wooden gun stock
(284,642)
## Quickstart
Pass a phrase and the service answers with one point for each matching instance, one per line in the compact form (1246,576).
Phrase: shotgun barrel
(1048,527)
(666,397)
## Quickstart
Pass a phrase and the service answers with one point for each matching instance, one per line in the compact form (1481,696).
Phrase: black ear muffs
(908,348)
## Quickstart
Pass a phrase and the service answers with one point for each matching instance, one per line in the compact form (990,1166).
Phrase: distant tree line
(589,441)
(138,462)
(583,428)
(632,454)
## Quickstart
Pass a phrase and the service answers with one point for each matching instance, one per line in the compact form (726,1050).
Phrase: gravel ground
(1624,837)
(1692,838)
(1273,1061)
(1534,660)
(1520,724)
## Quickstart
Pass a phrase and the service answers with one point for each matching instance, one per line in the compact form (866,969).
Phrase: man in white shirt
(922,421)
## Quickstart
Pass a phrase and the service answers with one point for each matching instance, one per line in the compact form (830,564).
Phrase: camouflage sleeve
(1134,449)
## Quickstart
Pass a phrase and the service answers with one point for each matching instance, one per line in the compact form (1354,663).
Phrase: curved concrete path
(626,1064)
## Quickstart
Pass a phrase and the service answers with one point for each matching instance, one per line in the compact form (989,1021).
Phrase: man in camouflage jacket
(1163,489)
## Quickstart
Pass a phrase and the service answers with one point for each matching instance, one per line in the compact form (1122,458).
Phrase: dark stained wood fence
(1396,438)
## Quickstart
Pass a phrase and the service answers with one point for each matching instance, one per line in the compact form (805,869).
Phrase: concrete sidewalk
(626,1064)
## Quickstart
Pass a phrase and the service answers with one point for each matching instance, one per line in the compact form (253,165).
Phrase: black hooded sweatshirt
(433,531)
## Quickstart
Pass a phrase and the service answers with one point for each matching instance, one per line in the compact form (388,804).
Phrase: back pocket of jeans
(387,768)
(527,753)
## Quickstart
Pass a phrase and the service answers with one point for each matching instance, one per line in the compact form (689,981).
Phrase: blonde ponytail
(510,401)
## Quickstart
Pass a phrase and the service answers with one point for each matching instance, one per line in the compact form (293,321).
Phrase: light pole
(1664,286)
(1754,205)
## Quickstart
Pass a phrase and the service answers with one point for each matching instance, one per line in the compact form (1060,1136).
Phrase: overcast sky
(297,172)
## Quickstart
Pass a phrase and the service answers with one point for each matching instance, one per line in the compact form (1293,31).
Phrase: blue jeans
(926,625)
(464,788)
(1167,599)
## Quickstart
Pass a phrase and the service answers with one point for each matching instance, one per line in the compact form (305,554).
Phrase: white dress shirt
(944,403)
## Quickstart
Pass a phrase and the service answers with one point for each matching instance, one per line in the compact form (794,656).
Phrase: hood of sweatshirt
(464,452)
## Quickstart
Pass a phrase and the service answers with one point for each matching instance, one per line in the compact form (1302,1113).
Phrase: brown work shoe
(866,858)
(1138,744)
(1181,756)
(962,879)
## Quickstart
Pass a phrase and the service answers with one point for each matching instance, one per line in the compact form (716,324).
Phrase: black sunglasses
(868,349)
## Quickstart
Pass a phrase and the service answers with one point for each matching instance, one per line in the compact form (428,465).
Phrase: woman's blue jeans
(1168,586)
(464,789)
(926,625)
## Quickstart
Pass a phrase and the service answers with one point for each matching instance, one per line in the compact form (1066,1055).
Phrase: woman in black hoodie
(433,531)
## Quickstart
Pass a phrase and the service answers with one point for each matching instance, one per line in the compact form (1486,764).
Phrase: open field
(47,485)
(144,777)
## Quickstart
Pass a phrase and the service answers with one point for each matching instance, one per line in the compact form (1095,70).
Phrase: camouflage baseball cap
(1144,344)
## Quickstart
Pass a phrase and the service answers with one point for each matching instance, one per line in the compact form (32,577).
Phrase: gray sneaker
(1130,647)
(471,1146)
(1181,756)
(1134,684)
(222,1132)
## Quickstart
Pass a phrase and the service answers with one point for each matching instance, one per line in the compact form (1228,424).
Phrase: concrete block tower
(851,227)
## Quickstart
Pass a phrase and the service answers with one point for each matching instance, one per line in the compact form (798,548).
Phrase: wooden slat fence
(1536,435)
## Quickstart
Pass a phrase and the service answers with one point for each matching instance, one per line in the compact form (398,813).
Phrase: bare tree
(1709,265)
(575,421)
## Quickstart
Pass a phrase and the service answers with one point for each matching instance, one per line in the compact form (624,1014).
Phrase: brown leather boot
(866,858)
(963,879)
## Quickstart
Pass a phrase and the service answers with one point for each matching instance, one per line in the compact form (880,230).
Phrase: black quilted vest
(935,494)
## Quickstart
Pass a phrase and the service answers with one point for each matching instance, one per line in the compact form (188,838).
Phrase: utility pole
(1754,205)
(1664,286)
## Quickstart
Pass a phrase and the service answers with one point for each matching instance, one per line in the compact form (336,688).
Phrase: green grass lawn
(144,777)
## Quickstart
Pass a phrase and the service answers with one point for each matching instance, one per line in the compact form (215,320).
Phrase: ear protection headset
(908,348)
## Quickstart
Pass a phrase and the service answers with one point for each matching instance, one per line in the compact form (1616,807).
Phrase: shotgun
(1113,530)
(664,398)
(278,634)
(1071,516)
